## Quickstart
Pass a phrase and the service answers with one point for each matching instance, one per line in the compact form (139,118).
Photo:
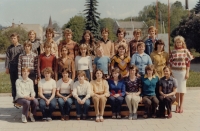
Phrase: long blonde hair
(182,40)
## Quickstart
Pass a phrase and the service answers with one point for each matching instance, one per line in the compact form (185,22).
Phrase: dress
(159,60)
(179,61)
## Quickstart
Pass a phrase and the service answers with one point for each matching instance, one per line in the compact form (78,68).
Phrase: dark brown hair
(82,41)
(134,67)
(121,46)
(49,30)
(159,42)
(104,29)
(66,70)
(120,30)
(94,76)
(27,43)
(150,67)
(14,35)
(167,67)
(66,49)
(117,70)
(140,44)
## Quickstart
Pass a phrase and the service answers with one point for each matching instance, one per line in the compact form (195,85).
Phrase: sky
(39,11)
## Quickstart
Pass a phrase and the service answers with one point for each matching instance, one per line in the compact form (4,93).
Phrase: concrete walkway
(10,120)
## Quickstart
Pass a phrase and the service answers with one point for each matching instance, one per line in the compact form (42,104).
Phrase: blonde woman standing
(180,64)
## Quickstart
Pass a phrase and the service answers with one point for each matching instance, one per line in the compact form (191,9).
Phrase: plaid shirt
(30,61)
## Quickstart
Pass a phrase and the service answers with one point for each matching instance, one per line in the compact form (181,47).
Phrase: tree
(92,17)
(108,23)
(5,37)
(189,28)
(197,8)
(77,25)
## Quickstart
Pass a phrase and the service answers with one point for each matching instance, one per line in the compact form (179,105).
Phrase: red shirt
(46,61)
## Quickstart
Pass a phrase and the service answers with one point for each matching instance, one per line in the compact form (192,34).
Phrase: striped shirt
(12,55)
(27,60)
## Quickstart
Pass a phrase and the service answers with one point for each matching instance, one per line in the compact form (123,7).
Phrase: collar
(145,76)
(149,39)
(140,55)
(105,41)
(22,80)
(123,41)
(170,78)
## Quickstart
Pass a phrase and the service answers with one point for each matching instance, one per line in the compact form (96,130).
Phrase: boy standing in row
(11,63)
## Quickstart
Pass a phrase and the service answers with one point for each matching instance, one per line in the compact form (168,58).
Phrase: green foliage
(77,25)
(197,8)
(92,17)
(5,37)
(108,23)
(189,28)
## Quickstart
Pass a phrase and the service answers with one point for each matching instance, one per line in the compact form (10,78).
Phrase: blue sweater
(149,86)
(116,89)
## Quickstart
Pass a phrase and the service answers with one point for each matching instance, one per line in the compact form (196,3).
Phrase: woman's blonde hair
(83,46)
(82,73)
(182,40)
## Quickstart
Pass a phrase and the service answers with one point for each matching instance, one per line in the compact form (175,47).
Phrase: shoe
(44,119)
(113,116)
(67,117)
(169,116)
(32,117)
(62,118)
(97,119)
(84,117)
(101,119)
(78,118)
(154,116)
(49,119)
(145,115)
(134,116)
(130,117)
(24,120)
(118,116)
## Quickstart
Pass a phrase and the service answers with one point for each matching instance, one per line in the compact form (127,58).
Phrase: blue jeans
(65,106)
(85,106)
(116,103)
(52,106)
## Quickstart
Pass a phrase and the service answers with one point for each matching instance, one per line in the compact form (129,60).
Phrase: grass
(5,85)
(194,79)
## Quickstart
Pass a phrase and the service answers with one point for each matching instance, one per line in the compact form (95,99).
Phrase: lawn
(5,86)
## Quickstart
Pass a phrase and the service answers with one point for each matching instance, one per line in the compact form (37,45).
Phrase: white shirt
(83,63)
(47,86)
(65,87)
(81,89)
(24,88)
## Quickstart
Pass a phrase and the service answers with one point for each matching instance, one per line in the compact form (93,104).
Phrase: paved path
(188,121)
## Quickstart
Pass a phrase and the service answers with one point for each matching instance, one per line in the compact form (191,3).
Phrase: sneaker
(97,119)
(134,116)
(44,119)
(49,119)
(145,115)
(31,117)
(101,119)
(118,116)
(24,120)
(113,116)
(130,116)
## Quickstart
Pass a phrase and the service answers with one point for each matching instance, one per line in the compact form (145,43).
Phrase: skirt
(179,75)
